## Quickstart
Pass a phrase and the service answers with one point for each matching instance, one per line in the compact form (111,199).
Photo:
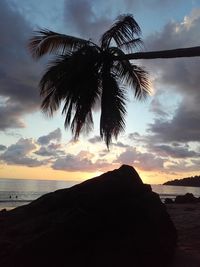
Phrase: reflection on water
(17,192)
(33,185)
(173,191)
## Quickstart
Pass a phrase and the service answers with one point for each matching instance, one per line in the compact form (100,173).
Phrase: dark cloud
(91,20)
(174,152)
(54,146)
(151,4)
(52,150)
(10,116)
(45,152)
(179,77)
(52,136)
(183,127)
(2,147)
(18,154)
(85,20)
(18,73)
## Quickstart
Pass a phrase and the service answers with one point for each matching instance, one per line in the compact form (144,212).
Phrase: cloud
(71,163)
(52,136)
(84,18)
(174,151)
(95,139)
(134,136)
(138,138)
(183,127)
(53,150)
(184,166)
(150,4)
(2,147)
(157,108)
(144,161)
(120,144)
(18,154)
(18,73)
(10,116)
(179,77)
(24,151)
(80,162)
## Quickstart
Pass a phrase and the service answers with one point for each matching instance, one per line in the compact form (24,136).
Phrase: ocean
(17,192)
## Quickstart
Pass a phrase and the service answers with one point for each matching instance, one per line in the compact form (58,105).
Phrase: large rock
(187,198)
(113,220)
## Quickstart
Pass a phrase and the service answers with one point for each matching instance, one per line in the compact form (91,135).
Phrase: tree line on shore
(188,181)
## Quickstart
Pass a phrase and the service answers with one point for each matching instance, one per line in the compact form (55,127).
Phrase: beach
(186,218)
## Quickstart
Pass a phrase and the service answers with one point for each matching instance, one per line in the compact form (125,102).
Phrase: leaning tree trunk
(173,53)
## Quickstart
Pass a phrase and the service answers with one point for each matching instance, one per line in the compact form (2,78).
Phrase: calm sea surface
(17,192)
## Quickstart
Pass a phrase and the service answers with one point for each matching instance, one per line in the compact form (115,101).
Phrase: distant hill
(189,181)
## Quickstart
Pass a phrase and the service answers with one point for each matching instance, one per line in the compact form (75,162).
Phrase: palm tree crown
(83,73)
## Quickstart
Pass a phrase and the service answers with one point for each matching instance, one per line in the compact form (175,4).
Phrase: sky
(162,135)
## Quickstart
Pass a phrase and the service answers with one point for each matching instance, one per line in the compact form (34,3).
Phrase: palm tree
(84,73)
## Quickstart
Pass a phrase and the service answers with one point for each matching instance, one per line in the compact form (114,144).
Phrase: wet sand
(186,218)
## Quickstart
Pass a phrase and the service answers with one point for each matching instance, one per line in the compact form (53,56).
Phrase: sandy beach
(186,218)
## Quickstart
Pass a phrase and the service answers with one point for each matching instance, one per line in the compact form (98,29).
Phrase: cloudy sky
(162,135)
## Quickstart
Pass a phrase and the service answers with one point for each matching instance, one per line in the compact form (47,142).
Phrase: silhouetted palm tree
(84,73)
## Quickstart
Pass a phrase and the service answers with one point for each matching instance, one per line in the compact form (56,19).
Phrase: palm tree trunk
(174,53)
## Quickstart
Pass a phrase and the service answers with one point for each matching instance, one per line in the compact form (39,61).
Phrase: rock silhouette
(187,198)
(113,220)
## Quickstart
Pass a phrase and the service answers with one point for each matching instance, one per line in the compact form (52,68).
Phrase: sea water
(17,192)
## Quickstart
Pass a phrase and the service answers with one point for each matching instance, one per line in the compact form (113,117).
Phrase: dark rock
(187,198)
(110,220)
(169,201)
(3,210)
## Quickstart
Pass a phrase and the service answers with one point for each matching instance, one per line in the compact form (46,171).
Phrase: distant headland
(189,181)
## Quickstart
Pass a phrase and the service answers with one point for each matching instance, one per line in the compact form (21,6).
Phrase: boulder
(168,200)
(187,198)
(3,210)
(111,220)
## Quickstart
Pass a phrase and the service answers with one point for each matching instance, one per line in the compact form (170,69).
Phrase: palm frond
(86,87)
(54,84)
(45,41)
(74,80)
(129,46)
(142,84)
(123,32)
(132,75)
(112,109)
